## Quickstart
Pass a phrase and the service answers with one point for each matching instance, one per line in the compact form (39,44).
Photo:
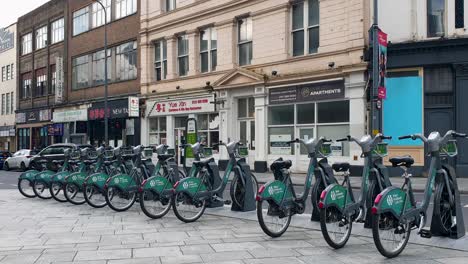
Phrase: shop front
(124,125)
(7,138)
(70,125)
(167,120)
(32,129)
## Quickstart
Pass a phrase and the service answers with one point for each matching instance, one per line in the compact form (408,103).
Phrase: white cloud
(11,10)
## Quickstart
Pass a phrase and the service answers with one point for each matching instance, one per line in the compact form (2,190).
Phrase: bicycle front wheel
(94,197)
(56,190)
(273,221)
(41,189)
(186,209)
(74,194)
(25,187)
(336,227)
(390,236)
(238,190)
(119,200)
(153,206)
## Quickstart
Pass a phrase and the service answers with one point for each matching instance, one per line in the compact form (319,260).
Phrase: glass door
(302,158)
(247,133)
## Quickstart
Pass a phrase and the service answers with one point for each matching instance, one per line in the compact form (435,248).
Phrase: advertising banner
(59,80)
(191,138)
(382,90)
(308,92)
(70,116)
(7,40)
(133,107)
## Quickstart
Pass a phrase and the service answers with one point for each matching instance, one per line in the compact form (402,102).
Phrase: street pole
(374,113)
(106,115)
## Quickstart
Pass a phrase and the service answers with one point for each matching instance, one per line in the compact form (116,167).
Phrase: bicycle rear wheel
(273,221)
(25,187)
(336,227)
(153,206)
(238,190)
(41,189)
(56,190)
(390,236)
(74,194)
(119,200)
(94,197)
(186,209)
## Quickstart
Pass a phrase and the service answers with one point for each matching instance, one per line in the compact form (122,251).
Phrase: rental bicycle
(395,212)
(26,181)
(277,200)
(68,166)
(338,207)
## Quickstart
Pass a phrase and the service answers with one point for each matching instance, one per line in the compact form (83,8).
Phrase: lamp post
(106,112)
(375,114)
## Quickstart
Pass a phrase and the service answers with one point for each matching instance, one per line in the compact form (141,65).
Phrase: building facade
(8,88)
(427,66)
(82,117)
(259,72)
(41,50)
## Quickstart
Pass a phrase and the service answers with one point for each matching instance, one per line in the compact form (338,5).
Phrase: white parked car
(19,160)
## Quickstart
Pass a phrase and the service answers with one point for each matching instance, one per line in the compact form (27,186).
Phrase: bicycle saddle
(406,161)
(280,164)
(203,162)
(341,166)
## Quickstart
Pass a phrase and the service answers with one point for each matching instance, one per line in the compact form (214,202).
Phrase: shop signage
(34,116)
(308,92)
(59,80)
(5,131)
(279,144)
(115,109)
(7,40)
(382,39)
(183,106)
(55,130)
(133,107)
(70,116)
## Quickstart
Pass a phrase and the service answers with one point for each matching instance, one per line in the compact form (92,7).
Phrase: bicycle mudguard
(97,179)
(122,182)
(392,200)
(190,186)
(29,175)
(157,184)
(275,191)
(44,176)
(60,177)
(77,178)
(335,195)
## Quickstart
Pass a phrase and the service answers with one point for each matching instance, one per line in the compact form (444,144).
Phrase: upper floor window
(57,29)
(160,60)
(7,104)
(460,13)
(81,21)
(183,55)
(170,5)
(80,72)
(41,37)
(3,73)
(436,17)
(99,62)
(305,27)
(7,72)
(12,103)
(53,80)
(26,44)
(41,82)
(208,49)
(99,17)
(125,8)
(26,81)
(245,41)
(3,104)
(126,61)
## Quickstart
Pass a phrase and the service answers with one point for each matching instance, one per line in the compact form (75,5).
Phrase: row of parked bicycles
(122,176)
(390,211)
(119,177)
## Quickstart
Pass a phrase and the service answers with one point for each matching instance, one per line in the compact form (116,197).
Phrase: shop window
(333,112)
(245,41)
(126,61)
(57,29)
(157,131)
(208,128)
(208,50)
(160,60)
(24,138)
(278,138)
(335,132)
(180,121)
(81,21)
(281,115)
(26,44)
(305,27)
(306,113)
(436,15)
(183,55)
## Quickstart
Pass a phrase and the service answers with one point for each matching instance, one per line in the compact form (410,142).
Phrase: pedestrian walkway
(39,231)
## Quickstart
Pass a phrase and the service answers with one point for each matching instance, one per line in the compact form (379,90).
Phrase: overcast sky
(12,9)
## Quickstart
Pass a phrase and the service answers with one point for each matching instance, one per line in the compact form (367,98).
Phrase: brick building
(262,72)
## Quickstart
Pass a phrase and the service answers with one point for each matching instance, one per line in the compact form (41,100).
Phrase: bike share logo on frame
(185,185)
(390,200)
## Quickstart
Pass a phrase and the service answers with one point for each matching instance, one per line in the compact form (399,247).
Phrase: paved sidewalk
(38,231)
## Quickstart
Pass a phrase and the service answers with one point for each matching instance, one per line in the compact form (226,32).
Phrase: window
(53,81)
(160,60)
(57,30)
(459,14)
(125,8)
(80,72)
(3,73)
(183,55)
(26,85)
(26,44)
(157,133)
(9,72)
(208,50)
(41,82)
(98,17)
(12,74)
(41,37)
(436,18)
(305,27)
(245,41)
(3,104)
(246,107)
(7,104)
(126,61)
(81,21)
(170,5)
(24,138)
(208,128)
(99,62)
(305,120)
(12,104)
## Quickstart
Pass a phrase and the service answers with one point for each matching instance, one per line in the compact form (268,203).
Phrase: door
(247,138)
(179,134)
(302,157)
(462,126)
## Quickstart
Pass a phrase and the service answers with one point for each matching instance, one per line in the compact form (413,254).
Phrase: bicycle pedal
(424,233)
(227,202)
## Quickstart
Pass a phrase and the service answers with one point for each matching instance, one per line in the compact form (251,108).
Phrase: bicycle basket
(325,150)
(91,154)
(450,149)
(127,151)
(75,154)
(207,152)
(381,149)
(147,153)
(109,154)
(243,151)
